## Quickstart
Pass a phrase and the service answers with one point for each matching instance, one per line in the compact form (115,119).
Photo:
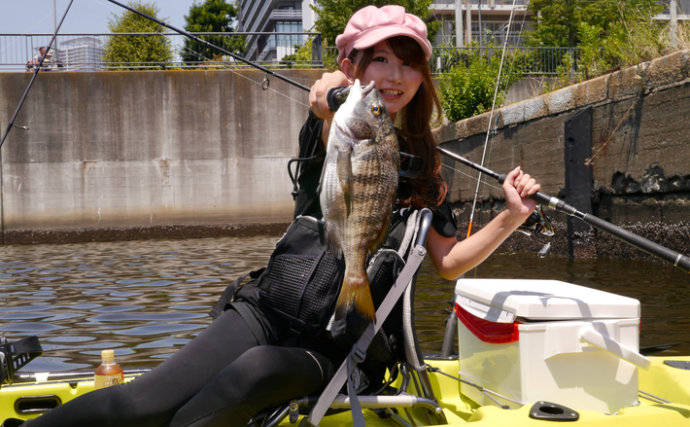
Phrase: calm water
(145,299)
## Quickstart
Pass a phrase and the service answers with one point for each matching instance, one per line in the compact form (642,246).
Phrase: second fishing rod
(337,96)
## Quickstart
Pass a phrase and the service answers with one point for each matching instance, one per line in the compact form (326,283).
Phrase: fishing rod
(33,78)
(493,109)
(204,42)
(672,257)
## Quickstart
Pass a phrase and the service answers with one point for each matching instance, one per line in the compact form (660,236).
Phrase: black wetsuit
(247,360)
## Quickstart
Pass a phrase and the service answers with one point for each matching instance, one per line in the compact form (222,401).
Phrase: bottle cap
(108,354)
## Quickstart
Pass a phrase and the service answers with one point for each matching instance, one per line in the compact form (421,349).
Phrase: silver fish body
(358,189)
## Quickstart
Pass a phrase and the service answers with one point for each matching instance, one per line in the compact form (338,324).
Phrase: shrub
(468,89)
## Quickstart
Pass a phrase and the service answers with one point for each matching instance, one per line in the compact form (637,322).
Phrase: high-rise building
(82,54)
(276,16)
(492,14)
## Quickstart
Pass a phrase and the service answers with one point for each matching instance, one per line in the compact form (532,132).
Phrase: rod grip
(541,197)
(335,97)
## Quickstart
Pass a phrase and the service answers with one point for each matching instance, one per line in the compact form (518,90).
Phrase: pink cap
(371,25)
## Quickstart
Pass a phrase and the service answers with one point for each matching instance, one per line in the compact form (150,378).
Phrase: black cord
(314,154)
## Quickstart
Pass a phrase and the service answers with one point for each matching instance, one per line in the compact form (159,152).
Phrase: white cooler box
(534,340)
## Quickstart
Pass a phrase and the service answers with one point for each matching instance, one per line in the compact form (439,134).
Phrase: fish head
(363,116)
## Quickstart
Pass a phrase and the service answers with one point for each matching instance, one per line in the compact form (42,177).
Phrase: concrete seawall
(130,155)
(641,173)
(120,155)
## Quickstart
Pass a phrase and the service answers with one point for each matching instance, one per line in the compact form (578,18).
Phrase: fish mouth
(347,125)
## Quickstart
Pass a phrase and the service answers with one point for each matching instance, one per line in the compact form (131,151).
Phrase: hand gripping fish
(358,189)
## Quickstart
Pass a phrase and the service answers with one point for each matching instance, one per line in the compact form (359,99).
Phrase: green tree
(144,50)
(468,89)
(334,14)
(611,33)
(557,21)
(591,62)
(211,16)
(302,55)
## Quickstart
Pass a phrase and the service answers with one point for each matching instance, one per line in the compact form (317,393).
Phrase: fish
(358,191)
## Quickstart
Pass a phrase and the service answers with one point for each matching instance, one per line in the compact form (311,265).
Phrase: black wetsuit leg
(261,378)
(152,399)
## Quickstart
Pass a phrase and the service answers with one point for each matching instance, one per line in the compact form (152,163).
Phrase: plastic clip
(552,412)
(357,354)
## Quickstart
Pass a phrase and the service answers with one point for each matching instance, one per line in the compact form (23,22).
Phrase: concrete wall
(132,154)
(641,177)
(126,155)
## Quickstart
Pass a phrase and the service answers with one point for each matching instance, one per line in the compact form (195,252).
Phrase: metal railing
(531,61)
(286,14)
(683,9)
(86,52)
(486,4)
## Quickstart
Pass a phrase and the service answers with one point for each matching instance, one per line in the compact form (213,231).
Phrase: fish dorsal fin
(344,170)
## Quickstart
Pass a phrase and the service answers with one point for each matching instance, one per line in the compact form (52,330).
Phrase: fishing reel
(538,223)
(15,355)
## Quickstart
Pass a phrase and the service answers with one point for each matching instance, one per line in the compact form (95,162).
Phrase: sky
(85,16)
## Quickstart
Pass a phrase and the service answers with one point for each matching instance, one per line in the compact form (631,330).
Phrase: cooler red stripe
(487,331)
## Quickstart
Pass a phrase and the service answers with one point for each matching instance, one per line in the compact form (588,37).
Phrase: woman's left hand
(517,187)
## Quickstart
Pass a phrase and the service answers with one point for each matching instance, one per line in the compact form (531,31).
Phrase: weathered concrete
(641,176)
(122,154)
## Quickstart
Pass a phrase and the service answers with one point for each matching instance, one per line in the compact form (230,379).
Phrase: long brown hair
(414,134)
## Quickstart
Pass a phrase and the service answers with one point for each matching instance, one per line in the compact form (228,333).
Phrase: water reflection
(145,299)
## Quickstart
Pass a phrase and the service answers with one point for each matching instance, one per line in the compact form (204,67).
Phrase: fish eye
(376,110)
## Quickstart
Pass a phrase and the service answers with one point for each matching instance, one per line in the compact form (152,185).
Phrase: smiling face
(396,80)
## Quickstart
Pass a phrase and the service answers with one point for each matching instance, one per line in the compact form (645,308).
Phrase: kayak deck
(661,380)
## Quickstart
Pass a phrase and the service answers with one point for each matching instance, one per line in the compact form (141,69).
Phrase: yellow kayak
(667,383)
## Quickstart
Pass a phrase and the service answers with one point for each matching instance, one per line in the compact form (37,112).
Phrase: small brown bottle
(109,373)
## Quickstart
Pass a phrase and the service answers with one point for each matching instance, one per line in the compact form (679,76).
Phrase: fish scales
(358,190)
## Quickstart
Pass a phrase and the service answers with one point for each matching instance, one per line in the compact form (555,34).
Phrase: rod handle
(545,199)
(337,96)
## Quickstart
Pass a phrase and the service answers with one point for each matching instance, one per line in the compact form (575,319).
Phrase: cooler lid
(502,300)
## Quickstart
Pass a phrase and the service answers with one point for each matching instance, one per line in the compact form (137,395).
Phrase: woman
(249,359)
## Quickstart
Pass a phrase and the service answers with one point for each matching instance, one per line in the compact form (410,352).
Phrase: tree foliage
(211,16)
(334,14)
(302,55)
(143,50)
(556,20)
(468,89)
(610,33)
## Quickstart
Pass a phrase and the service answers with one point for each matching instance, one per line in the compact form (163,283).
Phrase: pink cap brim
(377,35)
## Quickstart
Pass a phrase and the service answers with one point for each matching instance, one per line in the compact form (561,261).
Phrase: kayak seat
(414,391)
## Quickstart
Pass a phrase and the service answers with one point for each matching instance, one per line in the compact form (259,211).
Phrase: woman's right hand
(319,91)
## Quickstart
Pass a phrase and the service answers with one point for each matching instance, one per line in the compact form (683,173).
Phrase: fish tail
(355,297)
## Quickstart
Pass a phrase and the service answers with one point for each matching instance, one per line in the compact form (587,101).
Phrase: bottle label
(103,381)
